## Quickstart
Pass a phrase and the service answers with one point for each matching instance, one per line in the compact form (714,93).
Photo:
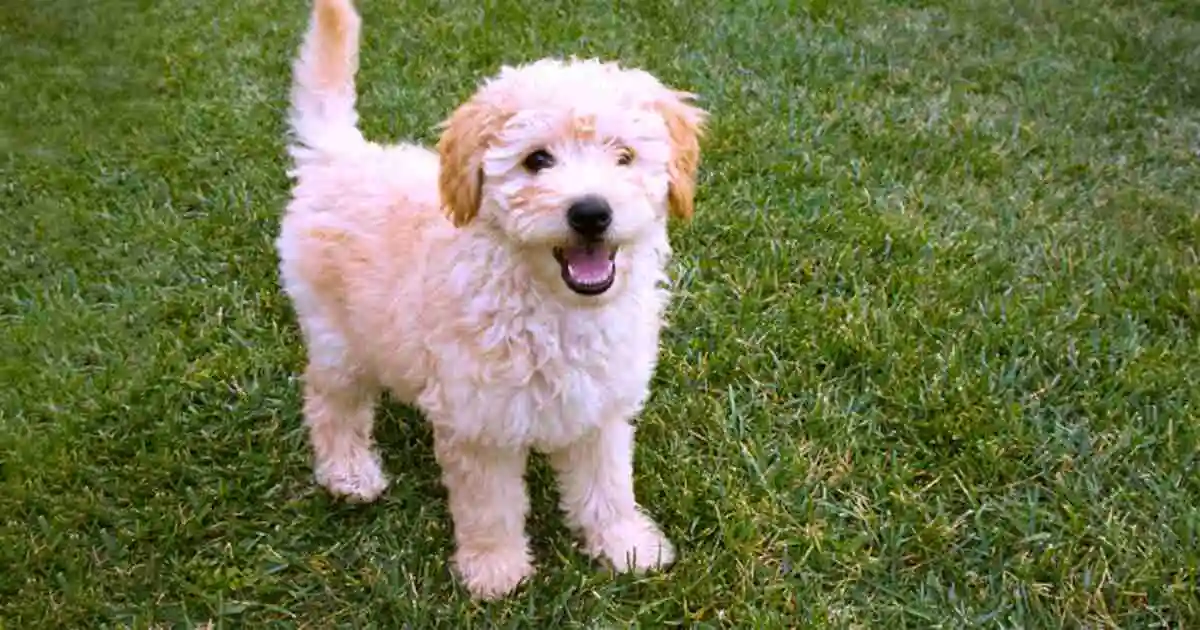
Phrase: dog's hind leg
(339,409)
(339,392)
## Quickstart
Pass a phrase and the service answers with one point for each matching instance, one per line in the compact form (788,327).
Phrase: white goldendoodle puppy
(511,286)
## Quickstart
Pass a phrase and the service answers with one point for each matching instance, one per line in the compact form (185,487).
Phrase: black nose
(590,216)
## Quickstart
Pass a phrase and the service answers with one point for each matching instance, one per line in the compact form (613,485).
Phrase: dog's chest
(543,383)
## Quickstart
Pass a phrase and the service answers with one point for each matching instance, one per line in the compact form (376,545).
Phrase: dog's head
(572,161)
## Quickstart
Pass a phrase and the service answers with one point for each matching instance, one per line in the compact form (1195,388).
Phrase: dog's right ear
(465,137)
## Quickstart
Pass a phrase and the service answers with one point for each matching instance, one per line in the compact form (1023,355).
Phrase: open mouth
(588,269)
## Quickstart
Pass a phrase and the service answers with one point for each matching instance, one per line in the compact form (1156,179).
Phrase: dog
(510,285)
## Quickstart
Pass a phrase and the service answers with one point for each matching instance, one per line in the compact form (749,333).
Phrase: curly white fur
(434,275)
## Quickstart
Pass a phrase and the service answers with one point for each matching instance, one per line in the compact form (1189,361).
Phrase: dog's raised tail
(323,115)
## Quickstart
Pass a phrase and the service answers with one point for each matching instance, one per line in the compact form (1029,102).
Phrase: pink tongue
(588,265)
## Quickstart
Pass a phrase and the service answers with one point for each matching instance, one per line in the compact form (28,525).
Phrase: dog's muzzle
(589,267)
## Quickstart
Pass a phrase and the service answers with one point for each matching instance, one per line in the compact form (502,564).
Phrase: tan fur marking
(467,134)
(685,124)
(337,24)
(585,128)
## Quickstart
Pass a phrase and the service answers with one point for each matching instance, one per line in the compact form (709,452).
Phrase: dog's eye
(539,160)
(625,157)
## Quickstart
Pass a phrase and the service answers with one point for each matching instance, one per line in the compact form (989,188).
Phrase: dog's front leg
(595,478)
(488,503)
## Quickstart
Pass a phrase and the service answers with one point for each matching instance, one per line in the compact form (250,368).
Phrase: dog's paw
(358,479)
(634,544)
(493,573)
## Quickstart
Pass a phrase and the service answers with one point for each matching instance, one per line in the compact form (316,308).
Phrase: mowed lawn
(934,357)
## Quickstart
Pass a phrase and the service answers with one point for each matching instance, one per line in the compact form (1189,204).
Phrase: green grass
(935,359)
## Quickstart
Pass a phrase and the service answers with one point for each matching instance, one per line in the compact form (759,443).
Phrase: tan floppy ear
(685,124)
(465,137)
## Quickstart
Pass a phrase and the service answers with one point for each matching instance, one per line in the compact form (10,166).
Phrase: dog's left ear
(685,124)
(465,137)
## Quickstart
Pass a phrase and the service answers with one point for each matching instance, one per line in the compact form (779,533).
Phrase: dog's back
(357,207)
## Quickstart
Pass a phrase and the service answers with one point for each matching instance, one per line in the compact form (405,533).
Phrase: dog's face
(571,162)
